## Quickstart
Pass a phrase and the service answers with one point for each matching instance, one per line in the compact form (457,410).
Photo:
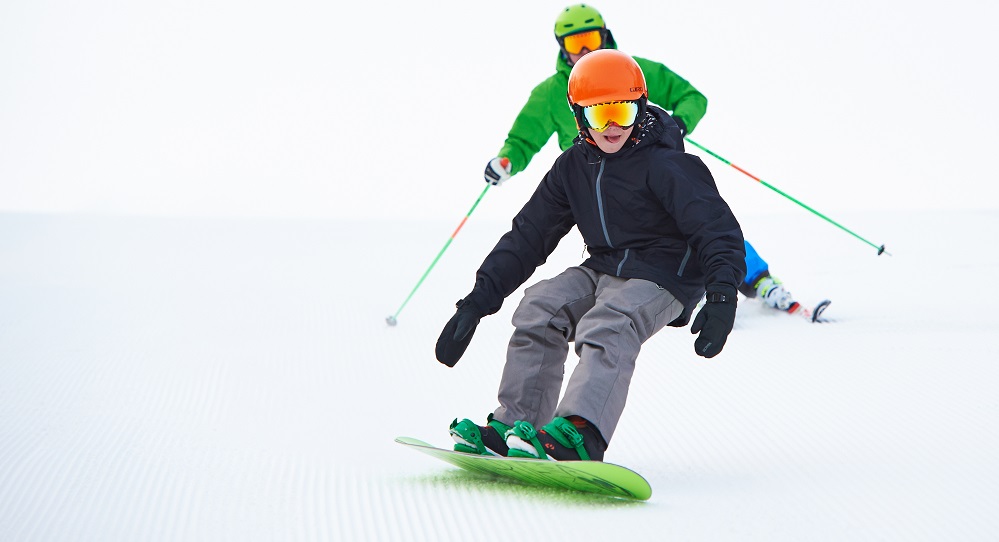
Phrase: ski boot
(771,290)
(560,440)
(482,440)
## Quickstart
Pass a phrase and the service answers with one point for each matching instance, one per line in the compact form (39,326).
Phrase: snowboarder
(580,29)
(659,236)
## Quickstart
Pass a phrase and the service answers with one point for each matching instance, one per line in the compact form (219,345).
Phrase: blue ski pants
(755,265)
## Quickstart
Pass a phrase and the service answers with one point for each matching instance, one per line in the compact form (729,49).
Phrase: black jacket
(648,211)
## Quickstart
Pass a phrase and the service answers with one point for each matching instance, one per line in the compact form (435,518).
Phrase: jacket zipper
(600,205)
(603,218)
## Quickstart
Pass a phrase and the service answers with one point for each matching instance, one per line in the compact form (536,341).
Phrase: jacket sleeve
(531,130)
(705,219)
(535,233)
(670,91)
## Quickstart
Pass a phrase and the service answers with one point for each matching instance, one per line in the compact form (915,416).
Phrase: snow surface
(208,209)
(234,379)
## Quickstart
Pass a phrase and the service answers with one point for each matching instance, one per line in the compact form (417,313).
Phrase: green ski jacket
(547,111)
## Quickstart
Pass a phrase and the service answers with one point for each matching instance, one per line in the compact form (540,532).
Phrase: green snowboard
(586,476)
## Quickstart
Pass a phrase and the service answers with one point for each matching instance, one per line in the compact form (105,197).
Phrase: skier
(659,236)
(580,29)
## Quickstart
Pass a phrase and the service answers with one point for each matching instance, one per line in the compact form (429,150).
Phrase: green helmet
(577,18)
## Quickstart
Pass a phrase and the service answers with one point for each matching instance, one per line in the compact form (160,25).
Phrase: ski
(814,314)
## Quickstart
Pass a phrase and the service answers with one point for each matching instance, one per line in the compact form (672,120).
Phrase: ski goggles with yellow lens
(574,43)
(600,116)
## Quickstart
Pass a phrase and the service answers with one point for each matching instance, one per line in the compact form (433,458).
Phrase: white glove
(497,171)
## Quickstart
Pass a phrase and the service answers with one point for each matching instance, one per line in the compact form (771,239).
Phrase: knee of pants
(535,309)
(603,330)
(540,310)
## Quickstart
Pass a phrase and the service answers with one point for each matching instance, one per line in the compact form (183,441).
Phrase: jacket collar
(657,129)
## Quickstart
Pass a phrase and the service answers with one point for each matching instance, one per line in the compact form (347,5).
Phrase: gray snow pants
(608,318)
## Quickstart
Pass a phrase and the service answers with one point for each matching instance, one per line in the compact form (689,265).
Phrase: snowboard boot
(772,291)
(564,439)
(482,440)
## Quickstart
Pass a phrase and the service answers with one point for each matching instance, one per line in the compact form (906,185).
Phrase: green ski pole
(881,249)
(392,319)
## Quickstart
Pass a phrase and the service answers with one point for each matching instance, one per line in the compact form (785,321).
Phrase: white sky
(309,109)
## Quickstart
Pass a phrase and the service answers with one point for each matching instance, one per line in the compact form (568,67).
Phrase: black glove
(458,333)
(715,320)
(682,125)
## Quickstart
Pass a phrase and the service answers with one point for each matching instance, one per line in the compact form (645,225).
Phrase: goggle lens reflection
(600,116)
(574,43)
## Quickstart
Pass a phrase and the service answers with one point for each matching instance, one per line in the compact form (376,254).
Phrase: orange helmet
(606,75)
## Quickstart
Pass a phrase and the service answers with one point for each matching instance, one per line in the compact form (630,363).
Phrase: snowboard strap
(528,433)
(565,433)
